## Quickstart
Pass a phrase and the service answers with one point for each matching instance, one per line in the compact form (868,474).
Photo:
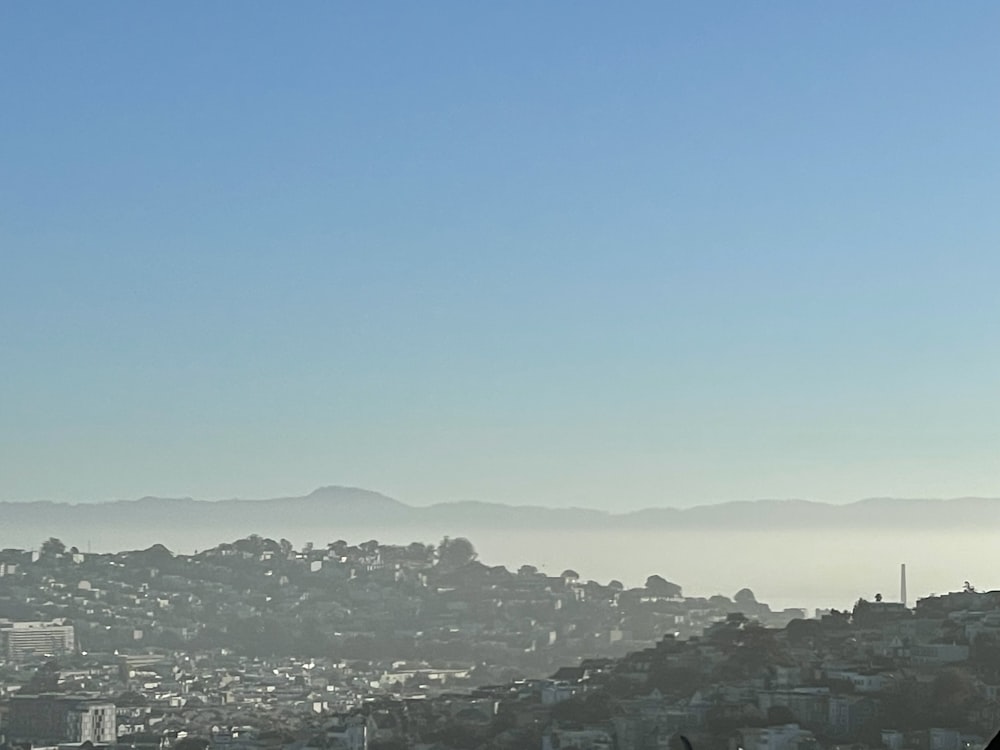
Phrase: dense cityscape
(255,645)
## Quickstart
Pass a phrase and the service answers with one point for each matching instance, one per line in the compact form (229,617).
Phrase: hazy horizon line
(475,501)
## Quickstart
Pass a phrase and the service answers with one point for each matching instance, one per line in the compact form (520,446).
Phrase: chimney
(902,583)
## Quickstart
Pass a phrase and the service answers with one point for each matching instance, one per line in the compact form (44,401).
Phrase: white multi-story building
(21,640)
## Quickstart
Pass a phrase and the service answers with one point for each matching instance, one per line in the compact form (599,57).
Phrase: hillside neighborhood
(256,645)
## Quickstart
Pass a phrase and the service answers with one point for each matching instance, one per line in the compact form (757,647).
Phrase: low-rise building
(54,719)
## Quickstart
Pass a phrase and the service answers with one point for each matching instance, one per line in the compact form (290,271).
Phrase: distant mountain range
(349,507)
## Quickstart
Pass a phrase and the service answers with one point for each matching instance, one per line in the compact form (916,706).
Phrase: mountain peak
(337,493)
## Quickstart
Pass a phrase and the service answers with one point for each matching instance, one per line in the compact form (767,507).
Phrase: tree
(777,715)
(986,654)
(44,680)
(53,547)
(130,698)
(338,547)
(907,704)
(527,570)
(419,551)
(455,553)
(593,706)
(660,586)
(674,680)
(798,629)
(952,695)
(722,720)
(744,596)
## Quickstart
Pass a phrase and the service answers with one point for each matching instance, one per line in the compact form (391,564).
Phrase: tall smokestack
(902,583)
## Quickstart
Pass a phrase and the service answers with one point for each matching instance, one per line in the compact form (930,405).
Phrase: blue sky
(555,253)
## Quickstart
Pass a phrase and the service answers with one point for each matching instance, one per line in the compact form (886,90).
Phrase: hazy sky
(559,253)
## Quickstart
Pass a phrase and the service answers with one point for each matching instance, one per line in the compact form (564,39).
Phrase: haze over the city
(846,551)
(658,255)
